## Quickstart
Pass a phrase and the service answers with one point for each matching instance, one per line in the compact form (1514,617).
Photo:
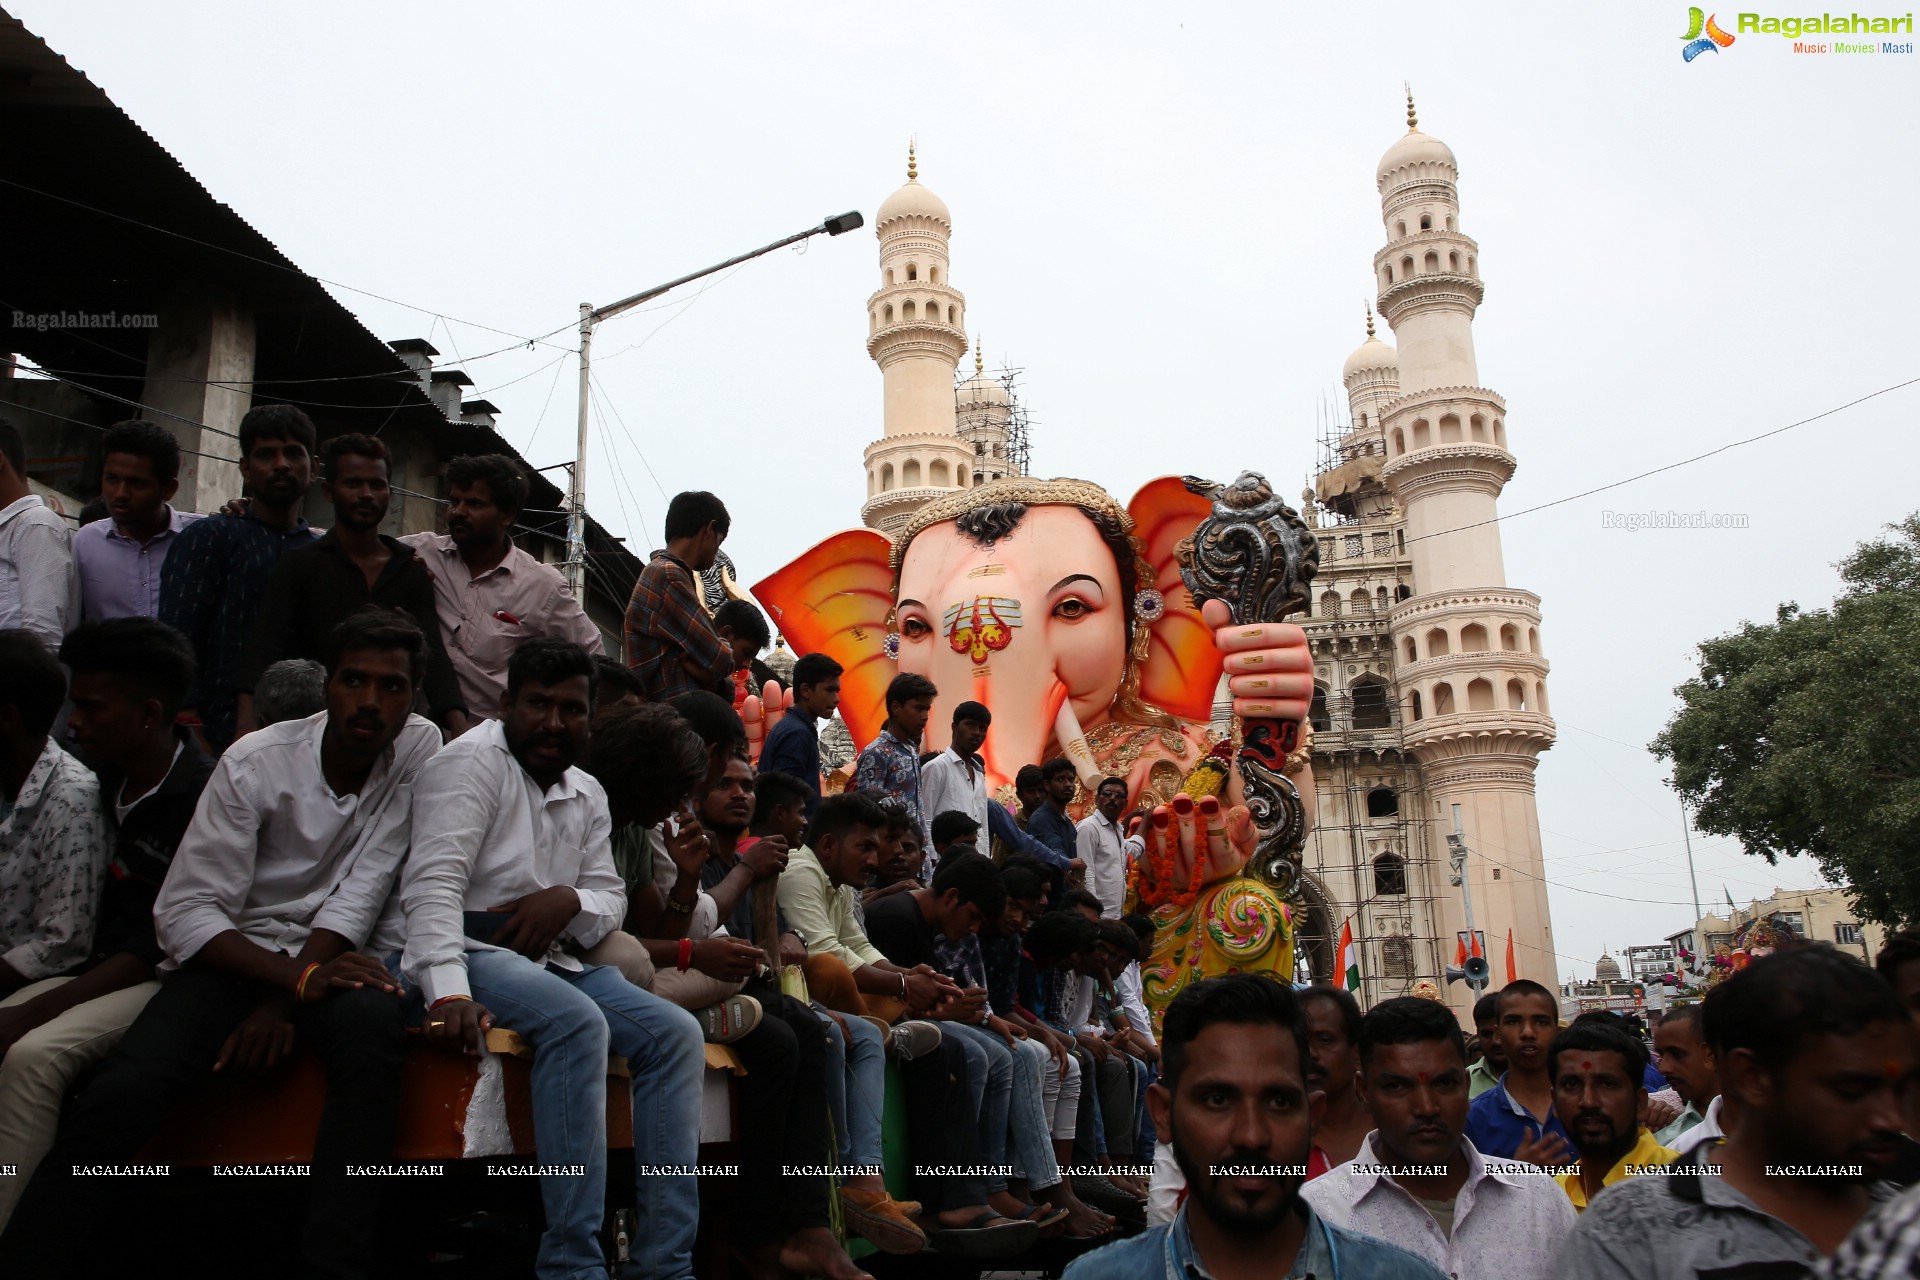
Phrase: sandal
(977,1240)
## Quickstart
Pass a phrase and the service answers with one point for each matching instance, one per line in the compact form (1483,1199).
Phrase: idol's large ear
(835,600)
(1183,667)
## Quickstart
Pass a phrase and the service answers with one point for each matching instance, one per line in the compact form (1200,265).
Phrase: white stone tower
(1470,671)
(916,325)
(983,418)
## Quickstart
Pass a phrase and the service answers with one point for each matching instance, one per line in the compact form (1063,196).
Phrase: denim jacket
(1326,1252)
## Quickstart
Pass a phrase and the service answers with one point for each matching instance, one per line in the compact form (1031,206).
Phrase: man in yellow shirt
(1599,1092)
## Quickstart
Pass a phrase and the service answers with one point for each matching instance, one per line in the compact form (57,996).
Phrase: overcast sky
(1166,216)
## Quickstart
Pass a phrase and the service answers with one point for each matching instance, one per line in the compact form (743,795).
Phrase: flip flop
(977,1241)
(1044,1216)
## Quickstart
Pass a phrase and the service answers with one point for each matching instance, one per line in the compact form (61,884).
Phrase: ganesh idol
(1064,612)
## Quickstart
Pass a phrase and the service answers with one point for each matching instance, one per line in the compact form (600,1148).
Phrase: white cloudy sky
(1166,215)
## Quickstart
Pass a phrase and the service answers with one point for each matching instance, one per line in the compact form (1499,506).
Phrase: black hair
(1054,768)
(276,422)
(1119,939)
(1486,1008)
(1022,885)
(612,678)
(974,711)
(1111,781)
(647,755)
(376,628)
(777,791)
(31,681)
(976,880)
(290,689)
(952,824)
(1407,1020)
(693,511)
(1240,999)
(505,479)
(1691,1014)
(548,661)
(1778,1002)
(1599,1037)
(151,657)
(139,438)
(358,445)
(13,448)
(1045,874)
(815,668)
(837,815)
(1057,935)
(712,717)
(1143,929)
(1899,948)
(1523,987)
(907,686)
(1342,1000)
(1028,778)
(746,622)
(1077,898)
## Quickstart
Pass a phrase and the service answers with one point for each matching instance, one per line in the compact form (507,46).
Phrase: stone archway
(1313,934)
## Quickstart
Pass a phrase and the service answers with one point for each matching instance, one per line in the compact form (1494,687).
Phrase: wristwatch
(796,933)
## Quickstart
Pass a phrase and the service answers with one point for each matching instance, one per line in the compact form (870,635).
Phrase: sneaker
(915,1040)
(729,1020)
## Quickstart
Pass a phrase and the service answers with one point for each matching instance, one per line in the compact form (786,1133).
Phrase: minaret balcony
(1470,735)
(1416,242)
(1422,611)
(1446,468)
(903,499)
(917,339)
(1425,291)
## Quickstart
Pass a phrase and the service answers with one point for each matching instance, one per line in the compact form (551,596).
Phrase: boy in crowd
(276,887)
(902,858)
(120,558)
(1236,1109)
(956,779)
(890,764)
(1516,1120)
(215,578)
(1818,1054)
(353,565)
(1049,823)
(511,875)
(1598,1075)
(1416,1180)
(793,746)
(129,676)
(1492,1062)
(671,643)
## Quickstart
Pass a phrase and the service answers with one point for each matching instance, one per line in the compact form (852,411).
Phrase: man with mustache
(120,559)
(271,916)
(1688,1065)
(1818,1053)
(1234,1104)
(1416,1180)
(1333,1038)
(351,566)
(216,576)
(511,877)
(1600,1093)
(492,597)
(1492,1062)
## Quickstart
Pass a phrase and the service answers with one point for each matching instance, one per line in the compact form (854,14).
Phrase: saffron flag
(1346,962)
(1511,974)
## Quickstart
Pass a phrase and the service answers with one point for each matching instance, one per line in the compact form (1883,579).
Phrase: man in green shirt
(1486,1073)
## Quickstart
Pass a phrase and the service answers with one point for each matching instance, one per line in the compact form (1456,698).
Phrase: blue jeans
(856,1089)
(990,1076)
(573,1020)
(1032,1135)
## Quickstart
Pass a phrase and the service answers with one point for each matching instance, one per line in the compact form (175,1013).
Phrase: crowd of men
(267,791)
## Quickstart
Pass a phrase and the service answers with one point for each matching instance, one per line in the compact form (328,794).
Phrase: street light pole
(1686,832)
(1457,849)
(590,317)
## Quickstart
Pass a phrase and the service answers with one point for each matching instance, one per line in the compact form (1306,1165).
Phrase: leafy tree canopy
(1803,736)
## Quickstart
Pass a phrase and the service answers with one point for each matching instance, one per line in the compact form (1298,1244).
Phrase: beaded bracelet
(681,908)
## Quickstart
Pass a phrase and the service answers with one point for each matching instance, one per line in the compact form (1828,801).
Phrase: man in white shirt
(956,780)
(39,586)
(275,889)
(1105,848)
(1417,1181)
(511,877)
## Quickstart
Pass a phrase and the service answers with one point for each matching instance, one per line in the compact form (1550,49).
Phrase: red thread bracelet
(446,1000)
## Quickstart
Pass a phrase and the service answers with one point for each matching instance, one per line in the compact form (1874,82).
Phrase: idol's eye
(915,628)
(1072,609)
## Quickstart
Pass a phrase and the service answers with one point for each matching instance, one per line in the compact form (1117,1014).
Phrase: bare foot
(962,1218)
(814,1252)
(1008,1204)
(1082,1219)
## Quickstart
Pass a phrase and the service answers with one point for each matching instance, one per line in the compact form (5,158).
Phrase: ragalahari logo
(1713,41)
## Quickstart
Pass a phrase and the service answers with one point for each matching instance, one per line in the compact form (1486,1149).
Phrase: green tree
(1803,736)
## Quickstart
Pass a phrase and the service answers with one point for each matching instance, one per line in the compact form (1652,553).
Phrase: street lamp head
(845,222)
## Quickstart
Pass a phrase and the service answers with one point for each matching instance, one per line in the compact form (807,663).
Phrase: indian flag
(1346,961)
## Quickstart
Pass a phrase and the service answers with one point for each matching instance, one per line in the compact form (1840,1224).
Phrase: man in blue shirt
(793,747)
(1233,1099)
(1050,825)
(215,578)
(1515,1119)
(890,764)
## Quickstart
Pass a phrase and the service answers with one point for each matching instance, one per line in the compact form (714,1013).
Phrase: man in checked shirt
(672,645)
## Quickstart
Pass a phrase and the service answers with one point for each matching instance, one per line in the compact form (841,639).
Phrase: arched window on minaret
(1380,599)
(1473,268)
(1480,695)
(1443,699)
(1383,802)
(1431,263)
(1426,222)
(889,313)
(1516,696)
(1540,697)
(1473,638)
(1330,605)
(1510,638)
(910,474)
(1437,645)
(1449,222)
(907,309)
(1413,652)
(937,473)
(1400,230)
(1403,591)
(1406,266)
(1362,602)
(886,477)
(1317,712)
(1386,276)
(950,315)
(889,275)
(1477,424)
(979,477)
(1413,706)
(1372,706)
(1450,429)
(1401,534)
(933,275)
(913,271)
(1533,640)
(1389,875)
(1500,432)
(1453,262)
(1400,447)
(1422,433)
